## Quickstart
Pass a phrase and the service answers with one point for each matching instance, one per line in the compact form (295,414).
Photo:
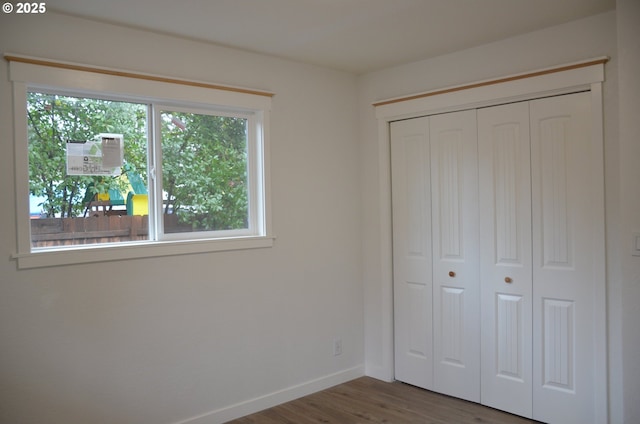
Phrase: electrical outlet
(337,347)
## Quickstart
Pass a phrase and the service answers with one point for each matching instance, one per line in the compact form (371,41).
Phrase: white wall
(578,40)
(628,13)
(163,340)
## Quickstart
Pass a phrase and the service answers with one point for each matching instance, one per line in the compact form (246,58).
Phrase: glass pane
(204,172)
(87,165)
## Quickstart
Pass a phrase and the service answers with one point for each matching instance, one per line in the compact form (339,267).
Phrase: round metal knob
(508,280)
(452,274)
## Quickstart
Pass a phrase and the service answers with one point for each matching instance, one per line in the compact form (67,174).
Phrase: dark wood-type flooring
(367,400)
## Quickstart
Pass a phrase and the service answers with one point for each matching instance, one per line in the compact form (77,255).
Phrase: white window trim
(82,80)
(254,150)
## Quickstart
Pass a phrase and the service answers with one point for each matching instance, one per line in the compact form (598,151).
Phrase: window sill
(135,250)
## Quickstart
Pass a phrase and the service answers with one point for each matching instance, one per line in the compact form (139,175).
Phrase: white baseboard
(251,406)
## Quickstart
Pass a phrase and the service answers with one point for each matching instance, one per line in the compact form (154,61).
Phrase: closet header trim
(597,61)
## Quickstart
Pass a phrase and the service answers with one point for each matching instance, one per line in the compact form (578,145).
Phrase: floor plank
(367,400)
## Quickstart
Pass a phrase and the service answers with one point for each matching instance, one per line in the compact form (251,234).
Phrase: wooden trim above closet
(526,75)
(130,74)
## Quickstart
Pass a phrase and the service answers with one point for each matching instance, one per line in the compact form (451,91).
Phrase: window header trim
(10,57)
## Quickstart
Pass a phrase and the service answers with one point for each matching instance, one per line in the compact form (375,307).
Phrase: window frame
(81,80)
(254,151)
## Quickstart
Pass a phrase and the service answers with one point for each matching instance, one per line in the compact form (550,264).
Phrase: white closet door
(563,239)
(456,303)
(411,186)
(505,257)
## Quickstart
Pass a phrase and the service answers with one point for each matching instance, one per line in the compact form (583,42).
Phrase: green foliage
(55,119)
(205,170)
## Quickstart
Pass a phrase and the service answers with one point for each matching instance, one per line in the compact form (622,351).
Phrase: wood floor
(367,400)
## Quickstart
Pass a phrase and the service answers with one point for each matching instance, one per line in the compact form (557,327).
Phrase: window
(73,188)
(204,172)
(121,166)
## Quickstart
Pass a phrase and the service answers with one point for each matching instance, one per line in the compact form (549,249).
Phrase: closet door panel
(563,292)
(456,308)
(505,257)
(412,256)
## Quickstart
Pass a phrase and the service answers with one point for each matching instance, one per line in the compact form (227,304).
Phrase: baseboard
(250,406)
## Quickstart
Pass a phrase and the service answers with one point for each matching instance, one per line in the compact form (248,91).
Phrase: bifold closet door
(456,291)
(412,257)
(505,257)
(537,214)
(497,247)
(435,251)
(564,213)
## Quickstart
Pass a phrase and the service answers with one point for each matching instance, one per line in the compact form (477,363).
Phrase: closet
(494,252)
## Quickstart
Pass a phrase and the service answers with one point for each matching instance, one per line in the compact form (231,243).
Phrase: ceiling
(357,36)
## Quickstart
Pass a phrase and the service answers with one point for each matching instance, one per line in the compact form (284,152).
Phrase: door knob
(508,280)
(452,274)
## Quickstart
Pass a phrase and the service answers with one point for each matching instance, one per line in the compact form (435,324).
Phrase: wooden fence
(48,232)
